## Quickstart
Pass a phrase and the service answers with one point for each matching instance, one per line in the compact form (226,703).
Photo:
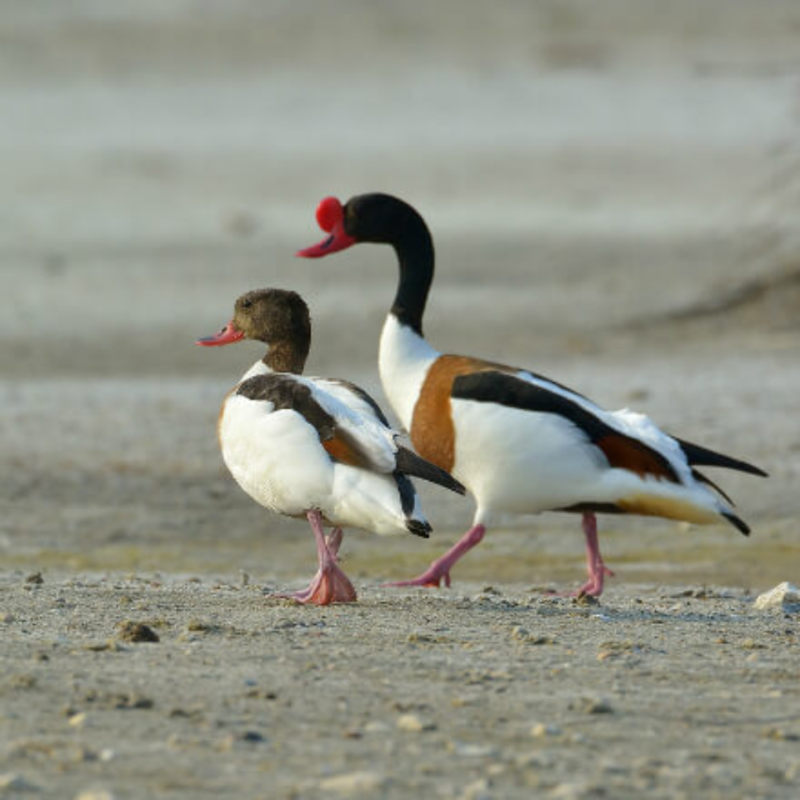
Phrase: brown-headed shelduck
(314,447)
(519,442)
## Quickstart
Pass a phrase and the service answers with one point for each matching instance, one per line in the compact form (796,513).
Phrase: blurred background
(614,191)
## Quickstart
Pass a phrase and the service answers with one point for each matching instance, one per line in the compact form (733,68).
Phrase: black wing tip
(412,464)
(737,522)
(419,528)
(456,486)
(743,466)
(703,457)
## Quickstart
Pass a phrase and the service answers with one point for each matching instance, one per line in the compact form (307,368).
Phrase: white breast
(275,456)
(404,360)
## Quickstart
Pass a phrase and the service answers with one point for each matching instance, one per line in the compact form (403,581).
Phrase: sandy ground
(661,692)
(615,195)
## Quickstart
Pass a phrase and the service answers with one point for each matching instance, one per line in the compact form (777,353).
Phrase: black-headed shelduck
(519,442)
(314,447)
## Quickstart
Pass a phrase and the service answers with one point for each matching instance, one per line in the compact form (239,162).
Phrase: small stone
(605,655)
(540,730)
(78,720)
(354,783)
(473,750)
(252,737)
(130,631)
(571,791)
(35,578)
(95,794)
(100,647)
(376,726)
(411,723)
(780,735)
(477,790)
(199,625)
(785,597)
(6,617)
(11,782)
(81,754)
(591,705)
(520,634)
(130,700)
(585,600)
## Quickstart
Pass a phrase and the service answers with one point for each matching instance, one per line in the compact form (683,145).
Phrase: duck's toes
(330,585)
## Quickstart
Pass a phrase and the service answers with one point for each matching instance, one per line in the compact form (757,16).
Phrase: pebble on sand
(413,724)
(130,631)
(540,730)
(785,596)
(11,782)
(95,794)
(591,705)
(354,783)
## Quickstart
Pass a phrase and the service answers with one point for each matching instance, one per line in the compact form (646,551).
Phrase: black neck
(415,256)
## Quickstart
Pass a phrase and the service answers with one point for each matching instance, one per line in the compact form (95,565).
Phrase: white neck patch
(404,360)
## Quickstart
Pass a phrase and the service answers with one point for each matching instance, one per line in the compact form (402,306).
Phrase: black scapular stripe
(508,390)
(283,391)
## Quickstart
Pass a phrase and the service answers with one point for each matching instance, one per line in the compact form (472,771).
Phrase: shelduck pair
(520,443)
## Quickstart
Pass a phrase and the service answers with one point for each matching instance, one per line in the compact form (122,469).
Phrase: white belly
(519,462)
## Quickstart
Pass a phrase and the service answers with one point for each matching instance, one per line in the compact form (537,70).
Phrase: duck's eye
(247,303)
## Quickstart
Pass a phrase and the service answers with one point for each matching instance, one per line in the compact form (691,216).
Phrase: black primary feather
(412,464)
(737,522)
(703,457)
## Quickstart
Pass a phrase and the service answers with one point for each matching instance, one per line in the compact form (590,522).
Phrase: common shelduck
(519,442)
(314,447)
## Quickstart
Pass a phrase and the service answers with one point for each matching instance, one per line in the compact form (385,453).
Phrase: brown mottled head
(277,317)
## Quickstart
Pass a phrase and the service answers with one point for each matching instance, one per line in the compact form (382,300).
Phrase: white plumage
(277,457)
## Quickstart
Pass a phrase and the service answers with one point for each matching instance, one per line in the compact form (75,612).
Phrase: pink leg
(333,541)
(594,561)
(440,569)
(330,584)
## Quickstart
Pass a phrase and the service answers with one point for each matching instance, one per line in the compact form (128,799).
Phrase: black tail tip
(419,528)
(737,522)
